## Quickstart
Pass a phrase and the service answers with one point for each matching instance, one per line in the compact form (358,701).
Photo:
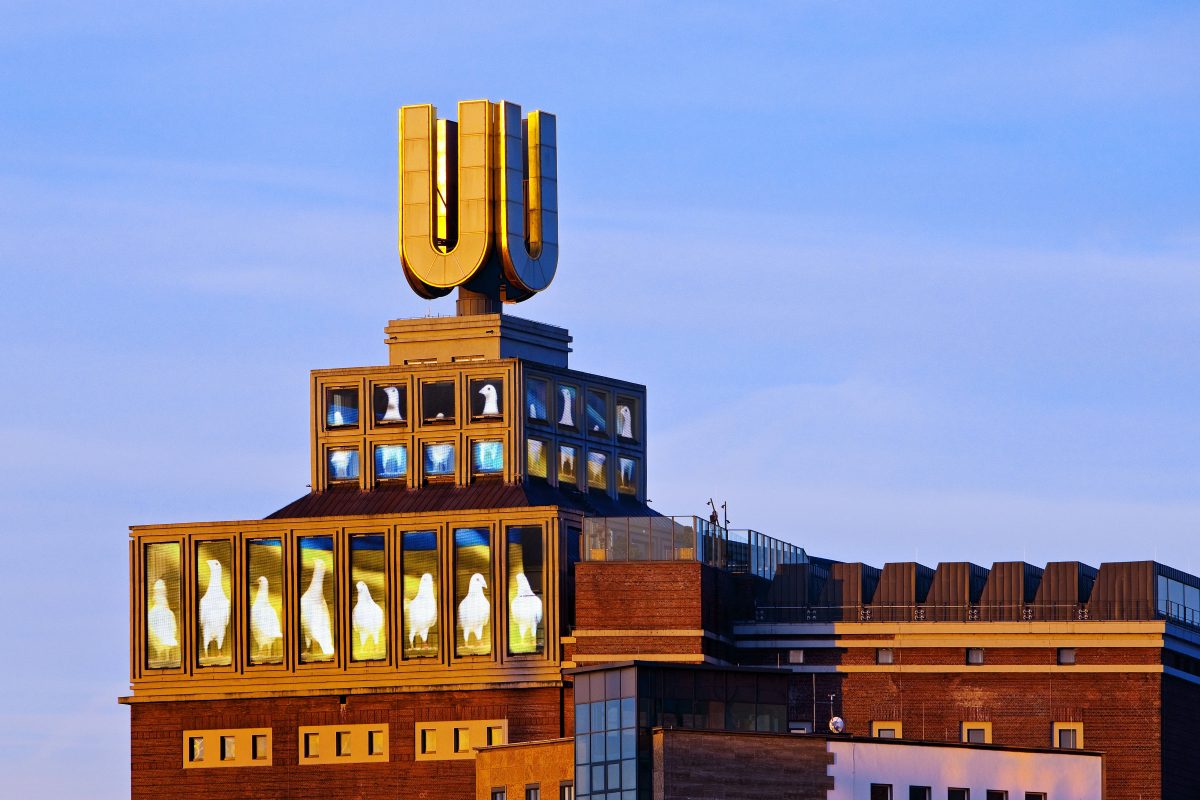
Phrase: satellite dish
(837,724)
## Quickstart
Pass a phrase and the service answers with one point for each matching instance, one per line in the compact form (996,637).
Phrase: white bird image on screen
(367,616)
(422,611)
(491,401)
(314,612)
(339,460)
(568,408)
(526,608)
(624,422)
(160,618)
(475,610)
(214,609)
(264,620)
(393,412)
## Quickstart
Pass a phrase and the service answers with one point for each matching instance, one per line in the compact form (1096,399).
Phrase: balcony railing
(975,612)
(685,539)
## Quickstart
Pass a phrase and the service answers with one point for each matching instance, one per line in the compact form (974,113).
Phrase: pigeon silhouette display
(161,619)
(491,401)
(264,620)
(393,412)
(214,609)
(624,422)
(568,408)
(526,608)
(475,610)
(367,617)
(421,611)
(314,612)
(339,462)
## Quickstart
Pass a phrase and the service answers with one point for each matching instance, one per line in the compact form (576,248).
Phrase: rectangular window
(1035,796)
(368,616)
(535,400)
(958,794)
(568,472)
(318,628)
(228,748)
(161,568)
(884,655)
(537,458)
(887,729)
(881,791)
(472,593)
(1068,735)
(264,558)
(259,748)
(312,745)
(391,462)
(1066,655)
(341,408)
(597,471)
(495,735)
(533,793)
(437,402)
(886,733)
(975,736)
(343,465)
(627,477)
(526,632)
(975,655)
(390,404)
(996,794)
(566,791)
(421,592)
(196,749)
(597,413)
(487,399)
(343,743)
(439,460)
(626,419)
(487,458)
(375,743)
(1067,738)
(920,793)
(428,741)
(499,794)
(213,590)
(795,656)
(568,411)
(462,740)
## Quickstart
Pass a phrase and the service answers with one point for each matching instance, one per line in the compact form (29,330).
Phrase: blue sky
(903,280)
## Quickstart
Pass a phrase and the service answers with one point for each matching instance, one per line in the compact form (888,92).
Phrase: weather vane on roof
(478,203)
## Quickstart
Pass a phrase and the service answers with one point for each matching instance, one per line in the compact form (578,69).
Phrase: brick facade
(690,764)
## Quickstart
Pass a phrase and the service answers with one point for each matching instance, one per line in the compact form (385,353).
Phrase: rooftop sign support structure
(478,203)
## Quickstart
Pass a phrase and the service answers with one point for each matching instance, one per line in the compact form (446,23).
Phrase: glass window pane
(598,715)
(439,460)
(537,458)
(437,401)
(628,716)
(581,748)
(597,473)
(626,424)
(612,714)
(567,471)
(597,412)
(1163,598)
(628,742)
(343,465)
(535,400)
(391,462)
(162,605)
(597,750)
(614,775)
(487,458)
(472,594)
(567,411)
(583,780)
(368,619)
(487,399)
(341,408)
(390,404)
(214,576)
(629,774)
(265,577)
(627,475)
(318,633)
(582,718)
(526,633)
(420,565)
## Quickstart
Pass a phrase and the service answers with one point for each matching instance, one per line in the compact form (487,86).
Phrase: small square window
(259,748)
(597,470)
(391,404)
(195,748)
(597,413)
(568,472)
(462,740)
(1066,655)
(343,465)
(537,458)
(920,793)
(881,791)
(627,477)
(499,794)
(958,794)
(228,748)
(487,399)
(312,745)
(975,655)
(884,655)
(439,460)
(533,793)
(375,743)
(1067,738)
(437,402)
(495,735)
(428,741)
(795,656)
(885,733)
(535,400)
(341,408)
(566,791)
(343,743)
(975,736)
(487,458)
(626,422)
(391,462)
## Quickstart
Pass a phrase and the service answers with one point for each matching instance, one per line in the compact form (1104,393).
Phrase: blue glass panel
(439,459)
(628,713)
(628,743)
(598,716)
(582,718)
(581,748)
(343,465)
(487,457)
(342,408)
(597,778)
(420,540)
(366,543)
(614,776)
(391,461)
(583,781)
(471,537)
(597,747)
(629,774)
(535,399)
(613,715)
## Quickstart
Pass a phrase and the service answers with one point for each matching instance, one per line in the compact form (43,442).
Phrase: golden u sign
(482,191)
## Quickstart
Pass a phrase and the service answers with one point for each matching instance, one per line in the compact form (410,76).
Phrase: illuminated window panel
(437,401)
(568,470)
(368,616)
(536,402)
(597,413)
(568,411)
(391,462)
(537,458)
(390,404)
(420,566)
(318,629)
(472,593)
(487,399)
(439,460)
(341,408)
(161,569)
(264,560)
(487,458)
(526,632)
(343,465)
(214,588)
(626,424)
(627,477)
(597,470)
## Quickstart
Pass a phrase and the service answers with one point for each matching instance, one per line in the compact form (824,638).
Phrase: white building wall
(1061,776)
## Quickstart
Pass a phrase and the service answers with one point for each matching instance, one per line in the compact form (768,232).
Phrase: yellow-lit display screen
(214,604)
(526,631)
(161,570)
(627,475)
(264,558)
(318,628)
(420,558)
(536,458)
(568,472)
(472,592)
(368,618)
(597,471)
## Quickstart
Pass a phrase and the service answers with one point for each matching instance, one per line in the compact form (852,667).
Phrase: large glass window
(161,571)
(420,564)
(341,408)
(597,470)
(390,404)
(487,399)
(439,460)
(264,559)
(472,594)
(606,735)
(568,411)
(568,471)
(343,465)
(537,458)
(214,576)
(526,633)
(318,632)
(537,405)
(597,412)
(437,401)
(391,462)
(626,419)
(368,619)
(627,480)
(487,458)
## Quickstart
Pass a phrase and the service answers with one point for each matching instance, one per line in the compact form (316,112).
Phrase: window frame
(966,726)
(975,657)
(888,659)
